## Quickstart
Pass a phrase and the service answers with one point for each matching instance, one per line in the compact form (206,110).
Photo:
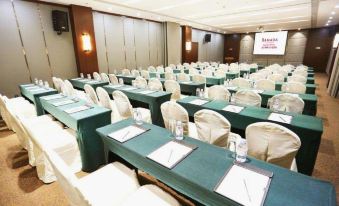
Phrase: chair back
(276,77)
(256,76)
(104,98)
(183,77)
(172,112)
(160,69)
(113,79)
(198,78)
(294,87)
(90,93)
(126,72)
(155,84)
(220,73)
(207,72)
(96,76)
(172,66)
(169,76)
(123,104)
(212,127)
(135,73)
(265,84)
(300,72)
(297,78)
(173,87)
(272,143)
(144,74)
(241,82)
(169,69)
(218,92)
(287,103)
(151,69)
(193,71)
(248,98)
(69,88)
(56,83)
(104,77)
(141,82)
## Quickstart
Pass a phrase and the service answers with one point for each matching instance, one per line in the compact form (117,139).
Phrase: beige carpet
(19,184)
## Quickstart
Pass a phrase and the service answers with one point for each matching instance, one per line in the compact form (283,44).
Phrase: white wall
(211,51)
(127,43)
(29,46)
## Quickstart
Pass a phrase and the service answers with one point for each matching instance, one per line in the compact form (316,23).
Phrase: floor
(19,184)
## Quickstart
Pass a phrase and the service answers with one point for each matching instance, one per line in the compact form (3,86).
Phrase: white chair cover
(193,71)
(169,76)
(56,83)
(257,76)
(198,78)
(282,72)
(218,92)
(106,102)
(220,73)
(265,84)
(91,95)
(151,69)
(287,102)
(276,77)
(160,69)
(248,97)
(145,74)
(96,76)
(169,69)
(207,72)
(70,91)
(104,77)
(141,82)
(294,87)
(172,66)
(300,72)
(297,78)
(173,87)
(135,73)
(155,84)
(183,77)
(272,143)
(172,112)
(113,79)
(126,72)
(241,82)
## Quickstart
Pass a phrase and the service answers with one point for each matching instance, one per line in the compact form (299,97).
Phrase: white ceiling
(231,16)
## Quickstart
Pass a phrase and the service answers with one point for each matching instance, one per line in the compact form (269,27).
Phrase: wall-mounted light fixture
(188,46)
(86,42)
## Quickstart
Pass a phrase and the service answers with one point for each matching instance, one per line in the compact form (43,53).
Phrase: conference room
(168,103)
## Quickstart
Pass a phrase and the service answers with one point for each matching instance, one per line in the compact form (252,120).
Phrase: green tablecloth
(210,81)
(308,128)
(310,100)
(79,83)
(188,88)
(85,123)
(197,175)
(176,71)
(242,72)
(153,100)
(253,70)
(232,75)
(127,79)
(310,80)
(34,96)
(310,88)
(154,74)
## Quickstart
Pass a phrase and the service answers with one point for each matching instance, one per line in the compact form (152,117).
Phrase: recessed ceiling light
(224,32)
(332,12)
(327,24)
(331,17)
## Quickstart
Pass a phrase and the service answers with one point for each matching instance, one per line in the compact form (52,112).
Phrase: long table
(153,100)
(308,128)
(34,96)
(310,100)
(198,174)
(309,80)
(79,83)
(85,123)
(310,88)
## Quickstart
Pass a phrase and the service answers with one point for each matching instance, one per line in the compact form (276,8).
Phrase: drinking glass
(171,126)
(121,81)
(82,75)
(241,150)
(232,146)
(137,117)
(46,84)
(134,83)
(202,93)
(197,92)
(179,131)
(41,83)
(232,99)
(36,81)
(89,76)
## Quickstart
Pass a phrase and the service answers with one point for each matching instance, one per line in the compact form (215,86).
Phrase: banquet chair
(193,71)
(241,82)
(257,76)
(220,73)
(173,87)
(151,69)
(301,68)
(272,143)
(145,74)
(282,72)
(125,108)
(113,79)
(53,136)
(276,77)
(183,77)
(218,92)
(70,91)
(126,72)
(213,128)
(172,112)
(300,72)
(96,76)
(286,103)
(56,84)
(198,78)
(140,82)
(169,69)
(107,102)
(169,76)
(248,98)
(172,66)
(155,84)
(265,84)
(135,73)
(297,78)
(185,64)
(92,190)
(294,87)
(207,72)
(160,69)
(91,95)
(104,77)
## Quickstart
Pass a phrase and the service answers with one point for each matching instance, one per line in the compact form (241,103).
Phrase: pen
(248,195)
(170,155)
(125,135)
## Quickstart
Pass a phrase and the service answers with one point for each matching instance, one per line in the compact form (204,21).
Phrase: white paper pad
(84,80)
(170,154)
(93,81)
(64,102)
(280,118)
(198,102)
(115,86)
(50,97)
(77,109)
(28,85)
(185,82)
(244,186)
(147,92)
(259,91)
(292,94)
(233,108)
(127,133)
(38,90)
(77,78)
(232,88)
(128,88)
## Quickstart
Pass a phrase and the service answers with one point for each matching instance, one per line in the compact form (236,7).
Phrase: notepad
(50,97)
(258,91)
(38,90)
(77,109)
(233,108)
(147,92)
(198,102)
(231,88)
(64,102)
(185,82)
(115,86)
(244,186)
(127,133)
(129,88)
(280,118)
(84,80)
(93,82)
(171,153)
(28,85)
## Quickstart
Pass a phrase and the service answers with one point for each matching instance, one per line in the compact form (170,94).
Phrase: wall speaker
(60,21)
(207,38)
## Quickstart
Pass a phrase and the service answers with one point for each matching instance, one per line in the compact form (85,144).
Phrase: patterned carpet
(19,184)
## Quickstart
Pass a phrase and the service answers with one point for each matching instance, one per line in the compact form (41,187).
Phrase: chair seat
(146,114)
(150,195)
(109,185)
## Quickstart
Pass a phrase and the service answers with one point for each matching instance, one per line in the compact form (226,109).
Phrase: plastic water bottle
(232,99)
(137,117)
(202,93)
(179,131)
(241,151)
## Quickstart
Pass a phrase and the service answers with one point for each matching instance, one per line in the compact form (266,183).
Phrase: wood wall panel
(82,22)
(186,37)
(231,48)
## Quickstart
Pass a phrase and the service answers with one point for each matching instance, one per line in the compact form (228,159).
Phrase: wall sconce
(188,46)
(86,42)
